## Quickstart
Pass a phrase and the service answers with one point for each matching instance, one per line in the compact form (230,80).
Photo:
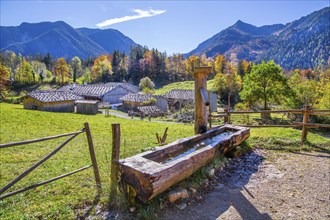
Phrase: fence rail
(30,169)
(306,112)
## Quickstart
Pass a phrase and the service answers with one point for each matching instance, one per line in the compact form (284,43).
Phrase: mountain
(62,40)
(303,43)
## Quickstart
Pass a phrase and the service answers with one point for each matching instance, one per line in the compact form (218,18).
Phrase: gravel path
(264,185)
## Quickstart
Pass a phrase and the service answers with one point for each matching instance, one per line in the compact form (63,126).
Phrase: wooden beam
(304,130)
(115,156)
(39,139)
(93,157)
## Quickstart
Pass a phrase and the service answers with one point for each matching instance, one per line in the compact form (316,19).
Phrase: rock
(181,206)
(193,190)
(211,172)
(132,209)
(177,194)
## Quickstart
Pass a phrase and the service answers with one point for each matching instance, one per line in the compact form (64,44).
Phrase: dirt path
(264,185)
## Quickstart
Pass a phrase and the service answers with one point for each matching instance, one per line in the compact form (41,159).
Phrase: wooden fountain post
(201,100)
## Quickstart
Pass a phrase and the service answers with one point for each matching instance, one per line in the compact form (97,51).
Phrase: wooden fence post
(114,158)
(93,157)
(226,117)
(304,130)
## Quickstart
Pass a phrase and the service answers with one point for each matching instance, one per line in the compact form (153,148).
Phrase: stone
(181,206)
(132,209)
(177,194)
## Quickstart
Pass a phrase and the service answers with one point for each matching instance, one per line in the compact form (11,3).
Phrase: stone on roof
(180,94)
(134,97)
(53,96)
(95,90)
(150,110)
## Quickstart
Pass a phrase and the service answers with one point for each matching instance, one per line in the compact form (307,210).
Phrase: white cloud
(139,14)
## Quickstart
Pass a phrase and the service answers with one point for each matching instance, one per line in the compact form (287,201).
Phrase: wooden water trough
(153,172)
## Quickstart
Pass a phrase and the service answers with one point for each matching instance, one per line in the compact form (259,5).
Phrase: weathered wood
(271,126)
(115,156)
(296,111)
(200,75)
(39,139)
(26,172)
(158,138)
(44,182)
(93,157)
(152,172)
(164,136)
(304,130)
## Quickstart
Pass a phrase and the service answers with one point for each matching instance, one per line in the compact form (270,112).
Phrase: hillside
(61,40)
(303,43)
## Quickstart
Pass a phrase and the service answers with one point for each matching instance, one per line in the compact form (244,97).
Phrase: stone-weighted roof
(180,94)
(150,110)
(96,90)
(53,96)
(135,97)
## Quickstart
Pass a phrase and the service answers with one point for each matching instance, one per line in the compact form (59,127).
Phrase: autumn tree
(219,64)
(76,68)
(244,67)
(304,91)
(228,83)
(146,85)
(265,83)
(24,73)
(4,80)
(102,68)
(61,70)
(39,70)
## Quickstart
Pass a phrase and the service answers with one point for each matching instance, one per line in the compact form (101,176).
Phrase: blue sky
(171,26)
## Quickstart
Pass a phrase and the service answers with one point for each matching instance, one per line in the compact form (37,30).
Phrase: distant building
(133,100)
(177,99)
(52,101)
(104,93)
(88,107)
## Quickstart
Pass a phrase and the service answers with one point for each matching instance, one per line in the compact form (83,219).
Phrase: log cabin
(52,101)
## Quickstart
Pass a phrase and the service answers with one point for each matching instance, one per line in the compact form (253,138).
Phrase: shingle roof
(180,94)
(150,110)
(53,96)
(133,97)
(128,86)
(96,90)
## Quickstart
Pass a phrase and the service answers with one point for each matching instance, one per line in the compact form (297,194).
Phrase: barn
(178,99)
(51,101)
(88,107)
(104,93)
(134,100)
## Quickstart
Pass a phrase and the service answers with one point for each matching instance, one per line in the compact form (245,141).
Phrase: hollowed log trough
(153,172)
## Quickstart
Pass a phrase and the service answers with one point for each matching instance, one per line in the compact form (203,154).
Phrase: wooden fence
(26,172)
(306,112)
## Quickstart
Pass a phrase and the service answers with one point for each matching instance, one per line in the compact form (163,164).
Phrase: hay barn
(132,100)
(88,107)
(51,101)
(105,93)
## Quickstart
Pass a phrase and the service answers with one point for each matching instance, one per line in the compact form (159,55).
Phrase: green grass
(70,197)
(185,85)
(65,198)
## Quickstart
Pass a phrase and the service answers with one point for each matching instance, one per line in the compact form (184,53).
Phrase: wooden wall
(113,96)
(61,106)
(87,108)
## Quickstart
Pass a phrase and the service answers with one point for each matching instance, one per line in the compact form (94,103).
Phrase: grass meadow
(71,197)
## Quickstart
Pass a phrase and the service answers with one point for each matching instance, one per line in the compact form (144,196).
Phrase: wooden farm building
(88,107)
(105,93)
(132,100)
(151,110)
(178,99)
(52,101)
